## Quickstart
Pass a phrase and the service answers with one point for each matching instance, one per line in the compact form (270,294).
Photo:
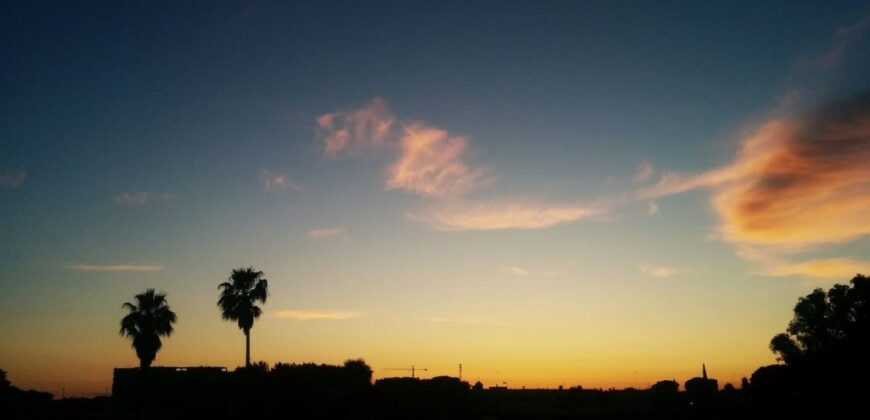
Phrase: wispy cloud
(515,270)
(114,268)
(472,320)
(307,315)
(643,172)
(139,198)
(523,272)
(652,207)
(503,215)
(326,232)
(356,131)
(274,181)
(426,160)
(657,271)
(432,162)
(12,179)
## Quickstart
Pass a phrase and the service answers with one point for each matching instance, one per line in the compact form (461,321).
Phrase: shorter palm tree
(147,320)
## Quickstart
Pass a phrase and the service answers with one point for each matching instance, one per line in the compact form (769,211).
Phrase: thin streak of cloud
(274,181)
(832,268)
(12,179)
(503,215)
(307,315)
(657,271)
(117,268)
(652,208)
(327,232)
(139,198)
(473,320)
(515,270)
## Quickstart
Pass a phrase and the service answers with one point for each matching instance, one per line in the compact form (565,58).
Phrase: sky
(603,194)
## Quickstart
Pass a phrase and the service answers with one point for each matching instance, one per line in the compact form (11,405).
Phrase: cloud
(357,131)
(832,268)
(522,272)
(796,182)
(473,320)
(430,163)
(659,271)
(273,181)
(503,215)
(644,172)
(114,268)
(139,198)
(307,315)
(652,208)
(326,233)
(515,270)
(12,179)
(425,160)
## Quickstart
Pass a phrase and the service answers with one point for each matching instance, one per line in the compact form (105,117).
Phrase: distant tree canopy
(827,325)
(666,386)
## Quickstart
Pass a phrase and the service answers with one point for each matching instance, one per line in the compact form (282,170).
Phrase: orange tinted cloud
(797,181)
(810,185)
(503,215)
(832,268)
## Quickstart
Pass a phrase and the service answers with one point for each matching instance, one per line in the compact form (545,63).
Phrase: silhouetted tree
(4,383)
(827,324)
(147,320)
(825,351)
(238,298)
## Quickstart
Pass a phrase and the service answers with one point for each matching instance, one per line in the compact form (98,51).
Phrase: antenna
(460,371)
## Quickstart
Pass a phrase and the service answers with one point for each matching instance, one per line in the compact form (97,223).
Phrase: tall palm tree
(237,301)
(146,321)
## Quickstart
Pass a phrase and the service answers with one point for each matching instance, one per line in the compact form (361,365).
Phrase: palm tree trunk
(248,348)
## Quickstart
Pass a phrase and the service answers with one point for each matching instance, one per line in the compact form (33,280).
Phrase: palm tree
(237,301)
(146,321)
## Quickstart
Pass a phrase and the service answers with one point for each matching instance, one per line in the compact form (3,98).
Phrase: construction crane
(413,369)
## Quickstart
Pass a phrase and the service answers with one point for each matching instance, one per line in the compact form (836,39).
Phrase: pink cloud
(425,160)
(430,163)
(357,131)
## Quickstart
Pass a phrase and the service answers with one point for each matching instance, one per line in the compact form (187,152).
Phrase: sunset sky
(603,194)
